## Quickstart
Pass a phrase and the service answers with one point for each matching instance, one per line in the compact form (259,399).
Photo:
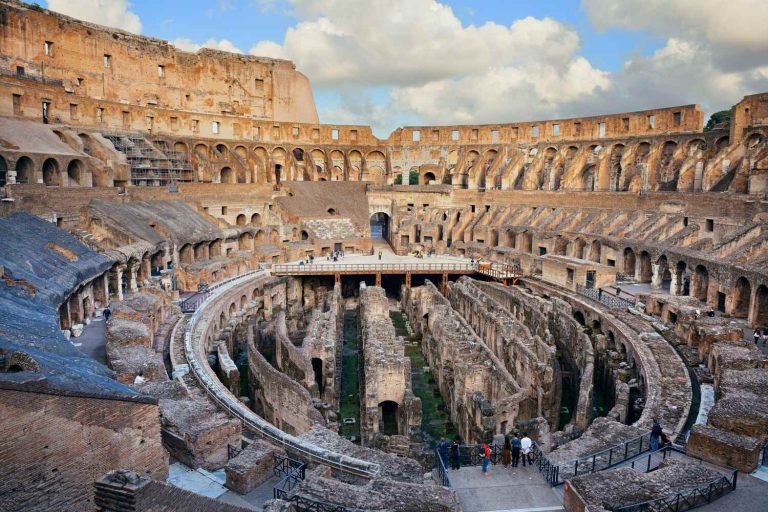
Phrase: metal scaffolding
(152,165)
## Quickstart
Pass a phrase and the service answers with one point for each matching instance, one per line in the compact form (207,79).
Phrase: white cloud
(268,49)
(188,45)
(112,13)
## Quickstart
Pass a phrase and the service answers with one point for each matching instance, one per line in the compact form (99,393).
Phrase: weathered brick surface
(54,447)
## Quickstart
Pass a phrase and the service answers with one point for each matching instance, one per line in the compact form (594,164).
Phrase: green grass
(349,403)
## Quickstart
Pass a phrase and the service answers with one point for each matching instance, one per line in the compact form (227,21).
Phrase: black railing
(686,500)
(557,474)
(302,504)
(190,304)
(233,451)
(604,297)
(292,473)
(442,469)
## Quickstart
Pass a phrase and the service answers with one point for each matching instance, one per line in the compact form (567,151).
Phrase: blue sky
(393,62)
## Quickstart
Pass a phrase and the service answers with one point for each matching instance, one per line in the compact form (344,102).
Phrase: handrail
(605,298)
(442,470)
(686,500)
(294,268)
(224,398)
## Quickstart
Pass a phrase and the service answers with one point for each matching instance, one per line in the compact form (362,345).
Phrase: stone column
(676,284)
(132,284)
(65,320)
(116,275)
(101,289)
(658,274)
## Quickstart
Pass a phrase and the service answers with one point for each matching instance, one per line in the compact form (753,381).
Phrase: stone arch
(51,173)
(260,236)
(741,295)
(760,308)
(25,170)
(228,175)
(681,287)
(256,219)
(304,234)
(700,285)
(355,163)
(232,310)
(186,254)
(646,269)
(240,220)
(561,245)
(260,158)
(663,274)
(579,248)
(388,415)
(753,140)
(76,173)
(579,317)
(588,175)
(695,145)
(245,242)
(3,172)
(629,261)
(379,223)
(722,143)
(280,172)
(595,250)
(274,236)
(214,248)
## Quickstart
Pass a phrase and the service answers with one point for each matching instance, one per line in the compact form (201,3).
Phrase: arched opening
(429,177)
(51,175)
(380,226)
(594,251)
(228,175)
(245,243)
(304,234)
(232,310)
(741,294)
(317,368)
(646,270)
(25,170)
(298,154)
(331,211)
(256,219)
(240,220)
(629,262)
(700,283)
(75,171)
(760,316)
(579,317)
(214,248)
(663,274)
(682,286)
(274,236)
(388,424)
(579,249)
(186,254)
(588,179)
(3,172)
(278,173)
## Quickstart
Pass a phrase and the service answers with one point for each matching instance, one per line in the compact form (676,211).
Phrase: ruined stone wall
(482,395)
(58,445)
(528,358)
(84,60)
(324,341)
(385,373)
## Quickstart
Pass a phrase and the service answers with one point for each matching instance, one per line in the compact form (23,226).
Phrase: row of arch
(50,172)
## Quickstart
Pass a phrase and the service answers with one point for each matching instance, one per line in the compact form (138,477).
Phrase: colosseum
(212,301)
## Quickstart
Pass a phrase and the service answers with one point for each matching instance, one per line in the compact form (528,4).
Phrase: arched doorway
(3,172)
(25,170)
(629,262)
(741,294)
(75,173)
(388,418)
(760,317)
(51,175)
(228,175)
(240,220)
(646,270)
(380,226)
(700,283)
(429,177)
(317,368)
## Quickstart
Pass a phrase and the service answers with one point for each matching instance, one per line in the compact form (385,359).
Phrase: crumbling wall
(385,370)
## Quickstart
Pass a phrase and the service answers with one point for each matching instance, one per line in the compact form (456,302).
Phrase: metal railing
(442,469)
(301,504)
(322,268)
(610,300)
(686,500)
(292,472)
(557,474)
(190,304)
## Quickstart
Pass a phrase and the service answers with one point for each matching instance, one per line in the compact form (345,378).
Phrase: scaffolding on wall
(152,165)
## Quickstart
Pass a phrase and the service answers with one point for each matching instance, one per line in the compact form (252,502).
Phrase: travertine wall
(56,446)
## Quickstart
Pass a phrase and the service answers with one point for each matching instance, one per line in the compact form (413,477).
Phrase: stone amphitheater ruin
(295,323)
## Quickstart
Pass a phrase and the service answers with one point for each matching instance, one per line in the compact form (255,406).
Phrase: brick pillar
(132,274)
(658,274)
(101,289)
(120,491)
(116,276)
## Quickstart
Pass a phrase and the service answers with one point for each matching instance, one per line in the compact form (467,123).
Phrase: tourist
(443,448)
(516,446)
(765,335)
(618,292)
(506,452)
(379,255)
(107,313)
(756,336)
(526,448)
(600,294)
(456,453)
(655,435)
(485,453)
(311,259)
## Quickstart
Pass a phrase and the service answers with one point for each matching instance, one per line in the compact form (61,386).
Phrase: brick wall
(54,447)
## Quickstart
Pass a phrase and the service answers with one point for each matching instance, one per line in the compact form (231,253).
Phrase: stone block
(735,450)
(252,467)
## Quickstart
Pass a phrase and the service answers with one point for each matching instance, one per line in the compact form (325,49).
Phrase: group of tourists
(513,449)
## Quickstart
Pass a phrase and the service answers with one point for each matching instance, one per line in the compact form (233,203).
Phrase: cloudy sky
(389,63)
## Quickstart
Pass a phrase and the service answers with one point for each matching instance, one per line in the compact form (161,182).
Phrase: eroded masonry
(200,278)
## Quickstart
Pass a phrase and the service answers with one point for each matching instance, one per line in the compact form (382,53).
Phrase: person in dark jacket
(516,446)
(456,453)
(443,447)
(655,435)
(506,452)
